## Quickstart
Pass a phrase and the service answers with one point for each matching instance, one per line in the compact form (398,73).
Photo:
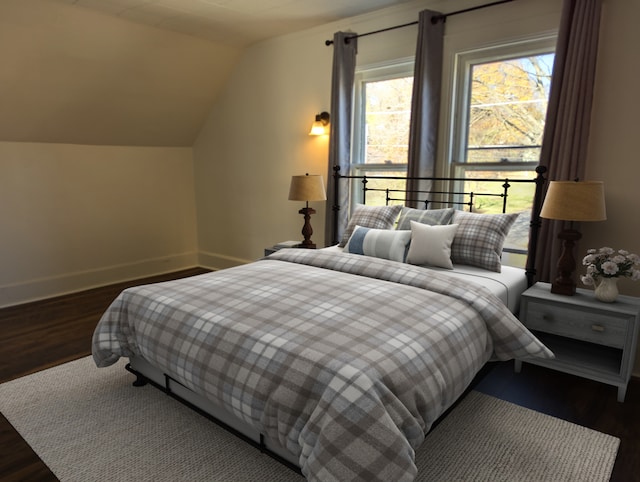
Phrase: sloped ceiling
(72,75)
(234,22)
(133,72)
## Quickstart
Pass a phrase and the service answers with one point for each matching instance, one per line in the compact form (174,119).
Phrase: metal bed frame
(459,199)
(148,374)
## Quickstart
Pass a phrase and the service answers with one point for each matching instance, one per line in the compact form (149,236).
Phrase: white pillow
(431,245)
(379,243)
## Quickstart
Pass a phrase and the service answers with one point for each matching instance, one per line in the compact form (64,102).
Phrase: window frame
(461,96)
(454,162)
(371,73)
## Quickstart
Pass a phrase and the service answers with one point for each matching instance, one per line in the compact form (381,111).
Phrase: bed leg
(517,366)
(140,380)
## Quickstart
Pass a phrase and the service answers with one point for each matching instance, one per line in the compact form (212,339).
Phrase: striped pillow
(479,239)
(379,217)
(424,216)
(379,243)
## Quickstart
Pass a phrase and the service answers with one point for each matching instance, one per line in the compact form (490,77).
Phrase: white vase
(607,290)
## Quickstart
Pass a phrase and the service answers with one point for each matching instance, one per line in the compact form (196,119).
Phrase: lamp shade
(318,129)
(307,188)
(320,126)
(575,201)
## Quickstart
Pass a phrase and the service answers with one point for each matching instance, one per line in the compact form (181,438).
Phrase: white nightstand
(589,338)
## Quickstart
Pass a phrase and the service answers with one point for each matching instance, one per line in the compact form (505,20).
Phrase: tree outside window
(381,130)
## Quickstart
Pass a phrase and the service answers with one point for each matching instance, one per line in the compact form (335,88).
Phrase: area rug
(90,424)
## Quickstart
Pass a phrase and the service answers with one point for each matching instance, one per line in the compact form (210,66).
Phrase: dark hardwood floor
(39,335)
(43,334)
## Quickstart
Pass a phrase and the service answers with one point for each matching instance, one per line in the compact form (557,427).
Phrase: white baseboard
(42,288)
(215,261)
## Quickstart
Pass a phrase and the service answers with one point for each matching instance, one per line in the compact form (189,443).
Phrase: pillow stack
(435,237)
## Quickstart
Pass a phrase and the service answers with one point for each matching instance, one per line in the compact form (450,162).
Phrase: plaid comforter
(346,360)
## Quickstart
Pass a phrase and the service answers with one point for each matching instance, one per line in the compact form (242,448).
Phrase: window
(501,104)
(382,113)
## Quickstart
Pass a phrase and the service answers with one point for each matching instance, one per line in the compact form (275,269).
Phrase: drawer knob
(547,317)
(598,328)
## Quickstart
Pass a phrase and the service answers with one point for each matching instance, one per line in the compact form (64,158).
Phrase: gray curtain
(425,104)
(344,67)
(566,133)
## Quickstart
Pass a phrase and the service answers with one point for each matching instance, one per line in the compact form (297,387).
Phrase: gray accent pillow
(378,217)
(424,216)
(479,239)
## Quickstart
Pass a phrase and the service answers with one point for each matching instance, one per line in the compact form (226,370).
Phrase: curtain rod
(434,20)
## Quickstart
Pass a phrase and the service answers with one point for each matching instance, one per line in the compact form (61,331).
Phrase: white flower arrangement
(609,263)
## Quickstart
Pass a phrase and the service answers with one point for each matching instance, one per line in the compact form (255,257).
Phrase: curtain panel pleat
(342,79)
(566,133)
(425,105)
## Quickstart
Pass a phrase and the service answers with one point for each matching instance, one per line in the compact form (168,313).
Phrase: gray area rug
(90,424)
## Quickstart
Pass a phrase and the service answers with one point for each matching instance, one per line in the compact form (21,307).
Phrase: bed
(334,361)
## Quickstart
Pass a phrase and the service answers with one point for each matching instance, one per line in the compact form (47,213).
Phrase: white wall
(75,216)
(75,213)
(613,143)
(614,156)
(253,142)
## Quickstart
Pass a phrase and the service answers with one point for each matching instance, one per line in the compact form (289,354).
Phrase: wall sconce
(572,201)
(321,125)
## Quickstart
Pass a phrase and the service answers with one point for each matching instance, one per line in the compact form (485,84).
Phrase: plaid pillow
(379,217)
(479,239)
(379,243)
(424,216)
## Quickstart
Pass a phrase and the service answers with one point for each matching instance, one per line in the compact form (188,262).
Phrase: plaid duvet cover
(345,360)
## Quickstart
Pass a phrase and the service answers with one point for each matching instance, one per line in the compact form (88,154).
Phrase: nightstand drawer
(603,329)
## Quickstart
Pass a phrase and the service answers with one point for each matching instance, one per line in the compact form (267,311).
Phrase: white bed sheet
(507,285)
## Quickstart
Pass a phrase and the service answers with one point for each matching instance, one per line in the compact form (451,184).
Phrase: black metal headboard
(459,199)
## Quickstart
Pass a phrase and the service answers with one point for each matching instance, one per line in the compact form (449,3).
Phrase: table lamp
(572,201)
(307,188)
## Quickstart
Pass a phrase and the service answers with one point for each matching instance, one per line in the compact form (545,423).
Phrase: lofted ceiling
(133,72)
(233,22)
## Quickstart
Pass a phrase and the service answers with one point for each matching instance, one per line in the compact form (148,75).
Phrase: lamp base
(564,284)
(307,230)
(562,287)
